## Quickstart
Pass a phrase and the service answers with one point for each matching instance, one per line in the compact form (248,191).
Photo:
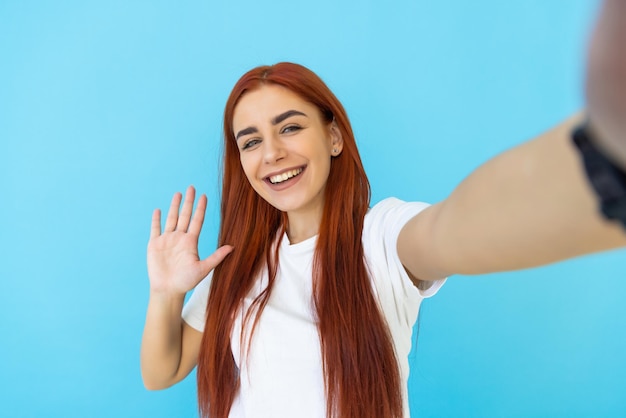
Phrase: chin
(283,206)
(288,204)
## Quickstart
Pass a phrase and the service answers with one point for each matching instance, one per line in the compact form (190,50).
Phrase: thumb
(215,259)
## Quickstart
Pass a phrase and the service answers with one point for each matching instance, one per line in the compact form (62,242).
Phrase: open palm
(174,265)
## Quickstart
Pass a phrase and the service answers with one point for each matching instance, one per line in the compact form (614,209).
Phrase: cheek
(325,160)
(249,168)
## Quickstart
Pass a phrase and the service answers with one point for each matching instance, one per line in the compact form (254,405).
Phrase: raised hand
(606,80)
(174,266)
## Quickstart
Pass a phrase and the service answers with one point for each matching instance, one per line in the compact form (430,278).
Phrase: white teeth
(279,178)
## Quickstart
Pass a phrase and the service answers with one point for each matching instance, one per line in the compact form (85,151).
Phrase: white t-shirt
(282,374)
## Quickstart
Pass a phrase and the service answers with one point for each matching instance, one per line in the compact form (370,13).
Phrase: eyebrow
(275,121)
(278,119)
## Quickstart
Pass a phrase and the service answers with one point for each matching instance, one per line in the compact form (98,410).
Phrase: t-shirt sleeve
(383,224)
(194,311)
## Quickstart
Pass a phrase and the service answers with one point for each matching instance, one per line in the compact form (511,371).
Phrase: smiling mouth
(279,178)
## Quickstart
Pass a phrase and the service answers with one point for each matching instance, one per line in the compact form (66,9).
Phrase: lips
(284,176)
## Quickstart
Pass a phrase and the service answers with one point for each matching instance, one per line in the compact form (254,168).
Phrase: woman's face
(285,148)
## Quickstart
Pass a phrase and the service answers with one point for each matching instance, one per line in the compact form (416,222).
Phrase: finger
(216,258)
(172,214)
(155,228)
(185,213)
(198,216)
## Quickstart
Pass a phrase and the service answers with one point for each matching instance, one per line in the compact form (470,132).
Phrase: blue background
(109,107)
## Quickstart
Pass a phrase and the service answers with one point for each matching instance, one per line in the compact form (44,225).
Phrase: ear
(336,144)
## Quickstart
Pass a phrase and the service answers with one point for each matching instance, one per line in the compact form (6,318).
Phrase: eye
(250,143)
(290,129)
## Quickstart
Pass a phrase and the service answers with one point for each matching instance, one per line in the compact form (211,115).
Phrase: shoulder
(382,226)
(392,213)
(381,230)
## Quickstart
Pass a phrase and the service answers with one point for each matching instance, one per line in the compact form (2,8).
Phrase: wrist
(166,297)
(608,180)
(608,143)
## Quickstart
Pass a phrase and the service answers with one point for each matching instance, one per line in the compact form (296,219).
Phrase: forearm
(530,206)
(161,345)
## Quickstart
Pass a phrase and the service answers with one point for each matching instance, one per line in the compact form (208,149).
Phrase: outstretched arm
(529,206)
(533,204)
(169,348)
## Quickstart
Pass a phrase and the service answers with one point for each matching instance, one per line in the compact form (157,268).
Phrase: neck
(303,225)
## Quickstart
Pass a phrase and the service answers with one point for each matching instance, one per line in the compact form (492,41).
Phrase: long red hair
(359,363)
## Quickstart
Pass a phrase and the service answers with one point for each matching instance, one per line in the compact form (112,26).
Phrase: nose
(273,150)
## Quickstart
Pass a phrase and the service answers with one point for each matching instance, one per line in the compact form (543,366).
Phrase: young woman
(307,307)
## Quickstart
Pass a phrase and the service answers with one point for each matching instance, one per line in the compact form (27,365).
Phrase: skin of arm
(529,206)
(170,347)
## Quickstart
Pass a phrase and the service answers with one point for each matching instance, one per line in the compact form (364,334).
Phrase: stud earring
(335,150)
